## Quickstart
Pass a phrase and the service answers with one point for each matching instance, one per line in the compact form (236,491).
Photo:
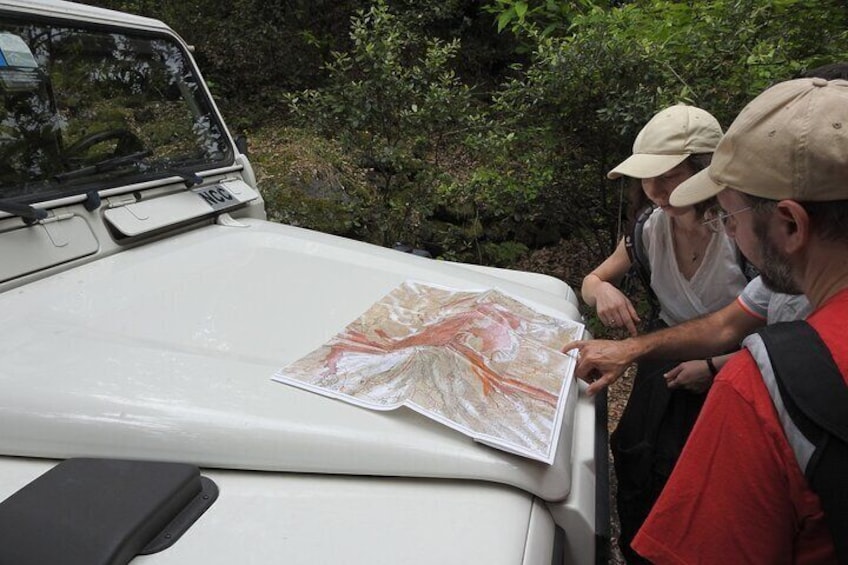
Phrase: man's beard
(775,270)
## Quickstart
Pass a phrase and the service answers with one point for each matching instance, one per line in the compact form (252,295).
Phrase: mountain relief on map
(480,362)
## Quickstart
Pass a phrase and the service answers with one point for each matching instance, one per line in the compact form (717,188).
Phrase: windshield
(83,109)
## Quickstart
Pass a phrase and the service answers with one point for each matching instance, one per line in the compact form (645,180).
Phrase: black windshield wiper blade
(189,178)
(133,159)
(28,214)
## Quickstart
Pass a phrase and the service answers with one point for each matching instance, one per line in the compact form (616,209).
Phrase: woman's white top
(716,283)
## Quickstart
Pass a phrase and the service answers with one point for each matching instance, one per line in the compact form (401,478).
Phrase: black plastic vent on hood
(102,511)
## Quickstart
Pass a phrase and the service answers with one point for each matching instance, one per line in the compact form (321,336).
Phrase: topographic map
(480,362)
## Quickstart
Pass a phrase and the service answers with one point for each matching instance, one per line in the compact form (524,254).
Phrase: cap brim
(646,166)
(697,188)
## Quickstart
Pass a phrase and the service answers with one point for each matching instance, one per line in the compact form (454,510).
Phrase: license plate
(217,196)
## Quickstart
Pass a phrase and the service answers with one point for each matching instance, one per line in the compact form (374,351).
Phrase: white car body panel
(310,519)
(171,346)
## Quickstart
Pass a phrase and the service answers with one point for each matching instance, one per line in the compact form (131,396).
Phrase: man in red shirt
(737,494)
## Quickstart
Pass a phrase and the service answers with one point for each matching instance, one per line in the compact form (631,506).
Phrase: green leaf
(520,10)
(505,18)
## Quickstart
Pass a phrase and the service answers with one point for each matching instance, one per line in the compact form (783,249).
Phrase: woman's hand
(693,376)
(614,309)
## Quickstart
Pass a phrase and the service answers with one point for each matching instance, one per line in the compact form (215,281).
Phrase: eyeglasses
(720,215)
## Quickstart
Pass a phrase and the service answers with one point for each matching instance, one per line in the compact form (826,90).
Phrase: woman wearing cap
(694,265)
(694,271)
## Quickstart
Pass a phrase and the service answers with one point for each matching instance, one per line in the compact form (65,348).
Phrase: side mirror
(241,144)
(19,70)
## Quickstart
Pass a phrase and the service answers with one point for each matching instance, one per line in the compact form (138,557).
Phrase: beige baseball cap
(667,140)
(790,142)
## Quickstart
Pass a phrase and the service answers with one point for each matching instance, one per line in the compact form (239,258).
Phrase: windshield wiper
(28,214)
(189,178)
(133,159)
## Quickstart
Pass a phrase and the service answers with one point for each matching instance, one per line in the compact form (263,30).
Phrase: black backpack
(805,384)
(640,267)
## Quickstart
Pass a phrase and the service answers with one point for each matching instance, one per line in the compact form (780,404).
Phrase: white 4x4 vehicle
(146,302)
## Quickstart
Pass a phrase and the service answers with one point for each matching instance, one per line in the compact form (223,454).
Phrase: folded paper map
(480,362)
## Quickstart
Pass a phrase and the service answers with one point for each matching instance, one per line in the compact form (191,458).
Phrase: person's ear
(793,225)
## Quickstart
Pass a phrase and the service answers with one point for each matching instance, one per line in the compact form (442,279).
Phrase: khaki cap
(667,140)
(790,142)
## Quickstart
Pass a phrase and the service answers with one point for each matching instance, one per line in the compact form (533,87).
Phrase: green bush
(308,181)
(598,75)
(397,107)
(517,162)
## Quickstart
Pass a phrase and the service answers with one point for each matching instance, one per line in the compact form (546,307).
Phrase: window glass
(84,108)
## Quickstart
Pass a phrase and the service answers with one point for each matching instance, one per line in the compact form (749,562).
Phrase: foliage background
(479,130)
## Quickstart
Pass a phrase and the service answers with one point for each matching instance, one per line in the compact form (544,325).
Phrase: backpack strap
(811,400)
(640,264)
(636,248)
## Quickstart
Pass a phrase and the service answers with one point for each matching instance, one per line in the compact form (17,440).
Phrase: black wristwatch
(711,366)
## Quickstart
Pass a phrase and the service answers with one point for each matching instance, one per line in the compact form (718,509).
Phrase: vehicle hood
(166,351)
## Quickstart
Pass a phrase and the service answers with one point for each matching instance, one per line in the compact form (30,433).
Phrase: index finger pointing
(573,345)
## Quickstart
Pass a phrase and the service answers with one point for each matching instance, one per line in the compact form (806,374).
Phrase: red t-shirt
(737,493)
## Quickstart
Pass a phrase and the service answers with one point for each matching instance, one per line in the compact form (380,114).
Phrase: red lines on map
(485,328)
